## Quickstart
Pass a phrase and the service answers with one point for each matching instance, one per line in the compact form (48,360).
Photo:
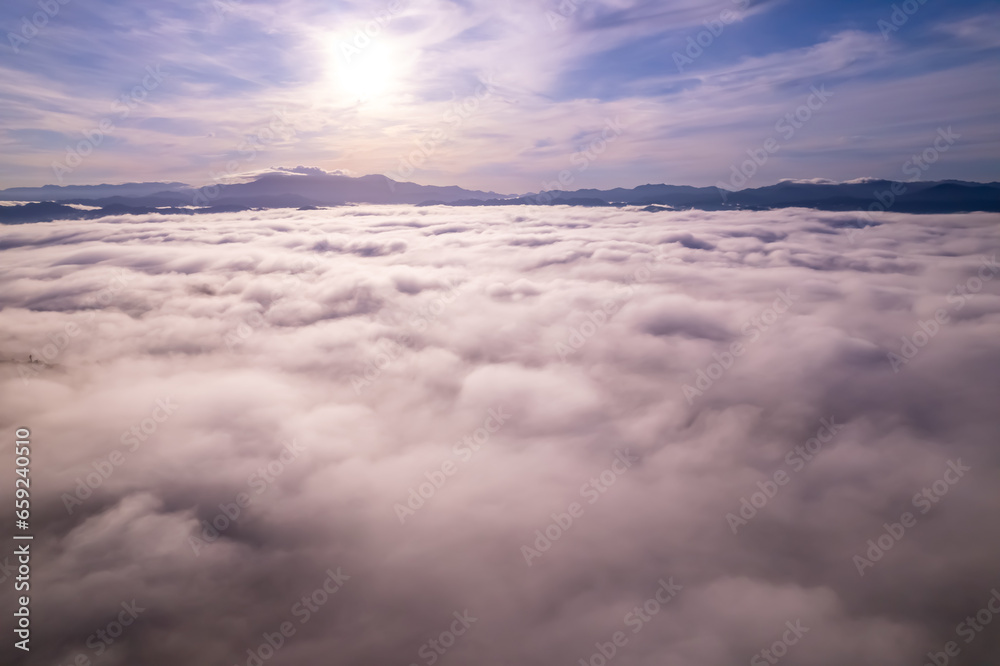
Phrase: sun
(365,74)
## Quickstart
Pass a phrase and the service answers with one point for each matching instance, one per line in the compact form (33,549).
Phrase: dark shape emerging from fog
(304,187)
(507,435)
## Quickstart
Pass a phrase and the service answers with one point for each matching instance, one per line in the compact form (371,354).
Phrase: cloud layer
(545,419)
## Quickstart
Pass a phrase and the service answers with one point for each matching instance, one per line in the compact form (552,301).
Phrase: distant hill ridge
(306,187)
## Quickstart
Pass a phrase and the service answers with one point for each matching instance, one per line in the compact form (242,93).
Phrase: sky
(494,95)
(693,429)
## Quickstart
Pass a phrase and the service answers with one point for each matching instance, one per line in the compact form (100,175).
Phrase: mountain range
(307,187)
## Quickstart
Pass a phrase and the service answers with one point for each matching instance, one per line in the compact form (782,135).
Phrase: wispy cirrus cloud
(233,63)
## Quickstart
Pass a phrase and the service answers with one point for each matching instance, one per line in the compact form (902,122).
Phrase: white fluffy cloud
(531,361)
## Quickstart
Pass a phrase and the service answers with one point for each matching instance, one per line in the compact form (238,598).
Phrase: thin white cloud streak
(216,96)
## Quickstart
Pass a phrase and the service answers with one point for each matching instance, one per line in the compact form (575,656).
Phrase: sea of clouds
(506,436)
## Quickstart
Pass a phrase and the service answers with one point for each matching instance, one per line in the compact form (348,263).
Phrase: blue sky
(509,96)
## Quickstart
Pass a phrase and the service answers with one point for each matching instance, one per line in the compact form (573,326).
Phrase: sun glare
(365,75)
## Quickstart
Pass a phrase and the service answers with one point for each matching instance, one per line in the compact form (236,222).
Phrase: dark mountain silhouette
(676,195)
(326,189)
(526,201)
(69,192)
(311,188)
(48,211)
(276,189)
(916,197)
